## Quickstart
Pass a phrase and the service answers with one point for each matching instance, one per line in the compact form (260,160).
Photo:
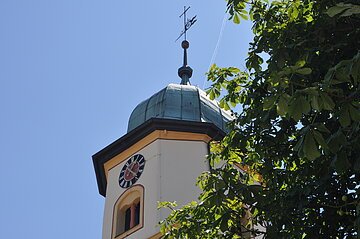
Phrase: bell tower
(159,158)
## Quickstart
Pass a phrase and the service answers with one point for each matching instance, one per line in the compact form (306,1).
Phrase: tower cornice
(101,158)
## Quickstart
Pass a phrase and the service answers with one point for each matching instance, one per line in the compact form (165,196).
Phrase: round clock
(131,171)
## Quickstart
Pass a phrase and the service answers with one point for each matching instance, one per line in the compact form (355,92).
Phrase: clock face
(131,171)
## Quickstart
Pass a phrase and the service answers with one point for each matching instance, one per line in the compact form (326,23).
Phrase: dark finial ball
(185,44)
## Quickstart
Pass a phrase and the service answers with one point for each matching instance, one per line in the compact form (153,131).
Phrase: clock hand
(132,172)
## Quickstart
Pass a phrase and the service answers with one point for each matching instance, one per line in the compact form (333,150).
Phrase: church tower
(159,158)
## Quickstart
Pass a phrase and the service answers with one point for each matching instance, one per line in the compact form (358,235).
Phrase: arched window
(128,212)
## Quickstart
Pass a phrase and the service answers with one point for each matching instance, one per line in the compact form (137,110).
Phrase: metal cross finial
(187,23)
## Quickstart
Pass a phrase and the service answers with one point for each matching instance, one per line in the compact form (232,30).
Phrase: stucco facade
(170,173)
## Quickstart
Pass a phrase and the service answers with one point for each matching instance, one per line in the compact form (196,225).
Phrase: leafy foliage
(297,137)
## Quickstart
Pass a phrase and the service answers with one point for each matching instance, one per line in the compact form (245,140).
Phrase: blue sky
(71,72)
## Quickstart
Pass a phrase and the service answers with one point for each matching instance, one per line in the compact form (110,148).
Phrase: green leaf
(303,105)
(336,141)
(320,140)
(354,9)
(342,75)
(234,70)
(233,103)
(211,94)
(329,75)
(213,67)
(299,143)
(341,162)
(309,18)
(298,106)
(282,106)
(293,13)
(304,71)
(300,63)
(315,102)
(326,101)
(269,102)
(224,222)
(310,148)
(354,113)
(322,128)
(244,16)
(224,104)
(344,117)
(355,69)
(236,18)
(294,111)
(337,9)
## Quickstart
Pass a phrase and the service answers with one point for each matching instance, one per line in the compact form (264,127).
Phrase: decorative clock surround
(131,171)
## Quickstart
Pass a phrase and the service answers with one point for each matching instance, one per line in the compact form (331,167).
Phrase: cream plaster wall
(181,163)
(170,173)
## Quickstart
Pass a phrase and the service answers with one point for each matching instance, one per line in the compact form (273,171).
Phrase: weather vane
(187,23)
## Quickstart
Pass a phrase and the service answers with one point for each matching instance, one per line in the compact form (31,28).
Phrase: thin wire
(217,45)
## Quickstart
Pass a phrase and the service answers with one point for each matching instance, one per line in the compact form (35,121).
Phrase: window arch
(128,212)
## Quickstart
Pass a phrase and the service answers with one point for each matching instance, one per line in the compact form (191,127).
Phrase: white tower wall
(170,173)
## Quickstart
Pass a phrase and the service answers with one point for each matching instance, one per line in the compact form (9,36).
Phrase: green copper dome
(180,102)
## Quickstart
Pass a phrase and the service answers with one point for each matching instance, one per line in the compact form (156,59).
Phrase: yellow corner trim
(156,236)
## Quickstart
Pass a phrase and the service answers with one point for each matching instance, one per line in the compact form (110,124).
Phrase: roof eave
(129,139)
